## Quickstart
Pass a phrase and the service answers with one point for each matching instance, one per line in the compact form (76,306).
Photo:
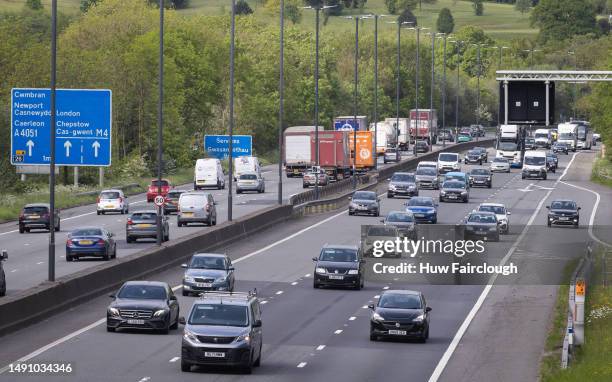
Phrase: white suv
(112,201)
(448,162)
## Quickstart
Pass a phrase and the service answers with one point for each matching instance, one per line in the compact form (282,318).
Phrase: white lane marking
(264,302)
(592,218)
(386,287)
(307,275)
(302,364)
(279,292)
(145,379)
(377,296)
(40,262)
(14,270)
(175,359)
(338,331)
(365,307)
(320,347)
(352,318)
(468,319)
(294,283)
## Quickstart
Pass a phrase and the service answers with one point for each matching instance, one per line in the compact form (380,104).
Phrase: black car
(3,256)
(473,156)
(208,271)
(400,314)
(563,212)
(482,225)
(554,157)
(339,265)
(481,177)
(559,147)
(364,202)
(143,305)
(223,329)
(402,184)
(530,144)
(37,215)
(454,190)
(484,154)
(403,221)
(551,162)
(90,242)
(171,203)
(421,147)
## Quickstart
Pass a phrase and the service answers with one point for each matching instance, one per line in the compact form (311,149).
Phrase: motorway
(323,333)
(28,262)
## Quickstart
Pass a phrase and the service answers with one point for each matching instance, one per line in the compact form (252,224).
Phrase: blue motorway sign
(83,127)
(217,146)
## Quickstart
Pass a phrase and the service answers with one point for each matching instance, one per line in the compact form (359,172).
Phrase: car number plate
(398,332)
(144,225)
(452,196)
(109,206)
(563,218)
(203,285)
(296,171)
(214,354)
(362,208)
(135,322)
(34,216)
(187,213)
(334,277)
(419,215)
(85,242)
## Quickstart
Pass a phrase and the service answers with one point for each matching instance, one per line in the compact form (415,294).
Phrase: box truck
(385,136)
(402,132)
(347,123)
(334,153)
(568,134)
(297,158)
(420,125)
(365,158)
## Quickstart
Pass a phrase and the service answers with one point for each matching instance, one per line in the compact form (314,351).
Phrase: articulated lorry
(385,136)
(334,153)
(420,125)
(365,158)
(402,131)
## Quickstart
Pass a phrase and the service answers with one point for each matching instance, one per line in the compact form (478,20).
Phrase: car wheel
(179,224)
(129,239)
(165,330)
(68,258)
(489,185)
(21,228)
(549,223)
(167,237)
(257,362)
(351,213)
(434,221)
(373,337)
(209,223)
(185,294)
(110,330)
(97,212)
(176,323)
(316,285)
(106,256)
(545,176)
(185,366)
(115,252)
(522,176)
(215,221)
(389,195)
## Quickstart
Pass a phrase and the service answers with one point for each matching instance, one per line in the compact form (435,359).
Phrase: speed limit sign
(159,200)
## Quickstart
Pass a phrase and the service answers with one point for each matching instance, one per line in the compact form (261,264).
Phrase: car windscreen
(473,153)
(400,301)
(155,183)
(202,262)
(174,194)
(541,135)
(86,232)
(566,136)
(420,202)
(447,157)
(529,140)
(479,171)
(455,177)
(109,195)
(426,171)
(340,255)
(144,216)
(143,292)
(248,177)
(219,315)
(563,205)
(507,146)
(402,178)
(499,210)
(535,161)
(391,151)
(36,210)
(482,218)
(453,184)
(421,143)
(399,217)
(193,200)
(500,159)
(364,196)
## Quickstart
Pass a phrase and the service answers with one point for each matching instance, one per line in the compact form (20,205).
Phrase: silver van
(196,207)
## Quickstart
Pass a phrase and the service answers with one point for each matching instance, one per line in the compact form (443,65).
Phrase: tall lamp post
(281,88)
(574,95)
(416,85)
(231,110)
(458,46)
(444,36)
(499,66)
(316,104)
(479,73)
(160,120)
(531,51)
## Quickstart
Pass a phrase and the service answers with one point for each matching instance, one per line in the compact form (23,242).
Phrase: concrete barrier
(39,302)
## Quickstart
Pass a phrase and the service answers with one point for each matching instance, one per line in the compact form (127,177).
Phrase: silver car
(143,224)
(427,177)
(196,207)
(392,155)
(500,164)
(250,181)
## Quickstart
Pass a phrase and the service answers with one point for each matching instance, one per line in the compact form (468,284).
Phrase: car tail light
(45,216)
(129,221)
(208,208)
(101,242)
(120,200)
(98,199)
(69,242)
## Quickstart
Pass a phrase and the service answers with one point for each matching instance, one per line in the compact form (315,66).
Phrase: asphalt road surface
(323,333)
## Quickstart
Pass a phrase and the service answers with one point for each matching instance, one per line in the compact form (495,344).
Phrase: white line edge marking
(320,347)
(352,318)
(302,364)
(279,292)
(175,359)
(435,375)
(338,331)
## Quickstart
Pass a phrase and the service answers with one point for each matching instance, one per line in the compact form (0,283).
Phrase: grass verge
(602,172)
(591,361)
(67,196)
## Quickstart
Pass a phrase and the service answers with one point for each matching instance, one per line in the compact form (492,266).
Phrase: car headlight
(377,317)
(419,318)
(320,270)
(469,228)
(244,338)
(392,187)
(442,192)
(221,279)
(353,271)
(463,192)
(113,311)
(160,313)
(190,336)
(188,279)
(352,204)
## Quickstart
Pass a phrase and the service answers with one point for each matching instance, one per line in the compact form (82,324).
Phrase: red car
(153,188)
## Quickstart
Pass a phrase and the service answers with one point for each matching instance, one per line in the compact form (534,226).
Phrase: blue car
(90,242)
(424,209)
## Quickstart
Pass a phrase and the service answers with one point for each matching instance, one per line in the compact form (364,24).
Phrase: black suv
(223,329)
(339,265)
(400,314)
(143,305)
(3,256)
(563,212)
(36,215)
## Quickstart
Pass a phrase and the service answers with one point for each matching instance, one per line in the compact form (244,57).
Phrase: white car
(500,164)
(112,201)
(502,214)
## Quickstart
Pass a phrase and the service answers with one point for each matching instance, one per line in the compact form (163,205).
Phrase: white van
(543,138)
(246,165)
(448,162)
(208,173)
(534,165)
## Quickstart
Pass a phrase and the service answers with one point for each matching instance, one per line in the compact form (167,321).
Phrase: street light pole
(231,111)
(356,69)
(160,121)
(281,86)
(375,153)
(444,93)
(52,143)
(431,89)
(397,77)
(417,121)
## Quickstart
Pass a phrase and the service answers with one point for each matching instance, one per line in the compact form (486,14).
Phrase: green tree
(86,4)
(445,22)
(407,17)
(394,6)
(34,4)
(562,19)
(603,27)
(522,6)
(243,8)
(478,7)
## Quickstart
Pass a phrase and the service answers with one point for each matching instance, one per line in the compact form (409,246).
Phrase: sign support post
(52,143)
